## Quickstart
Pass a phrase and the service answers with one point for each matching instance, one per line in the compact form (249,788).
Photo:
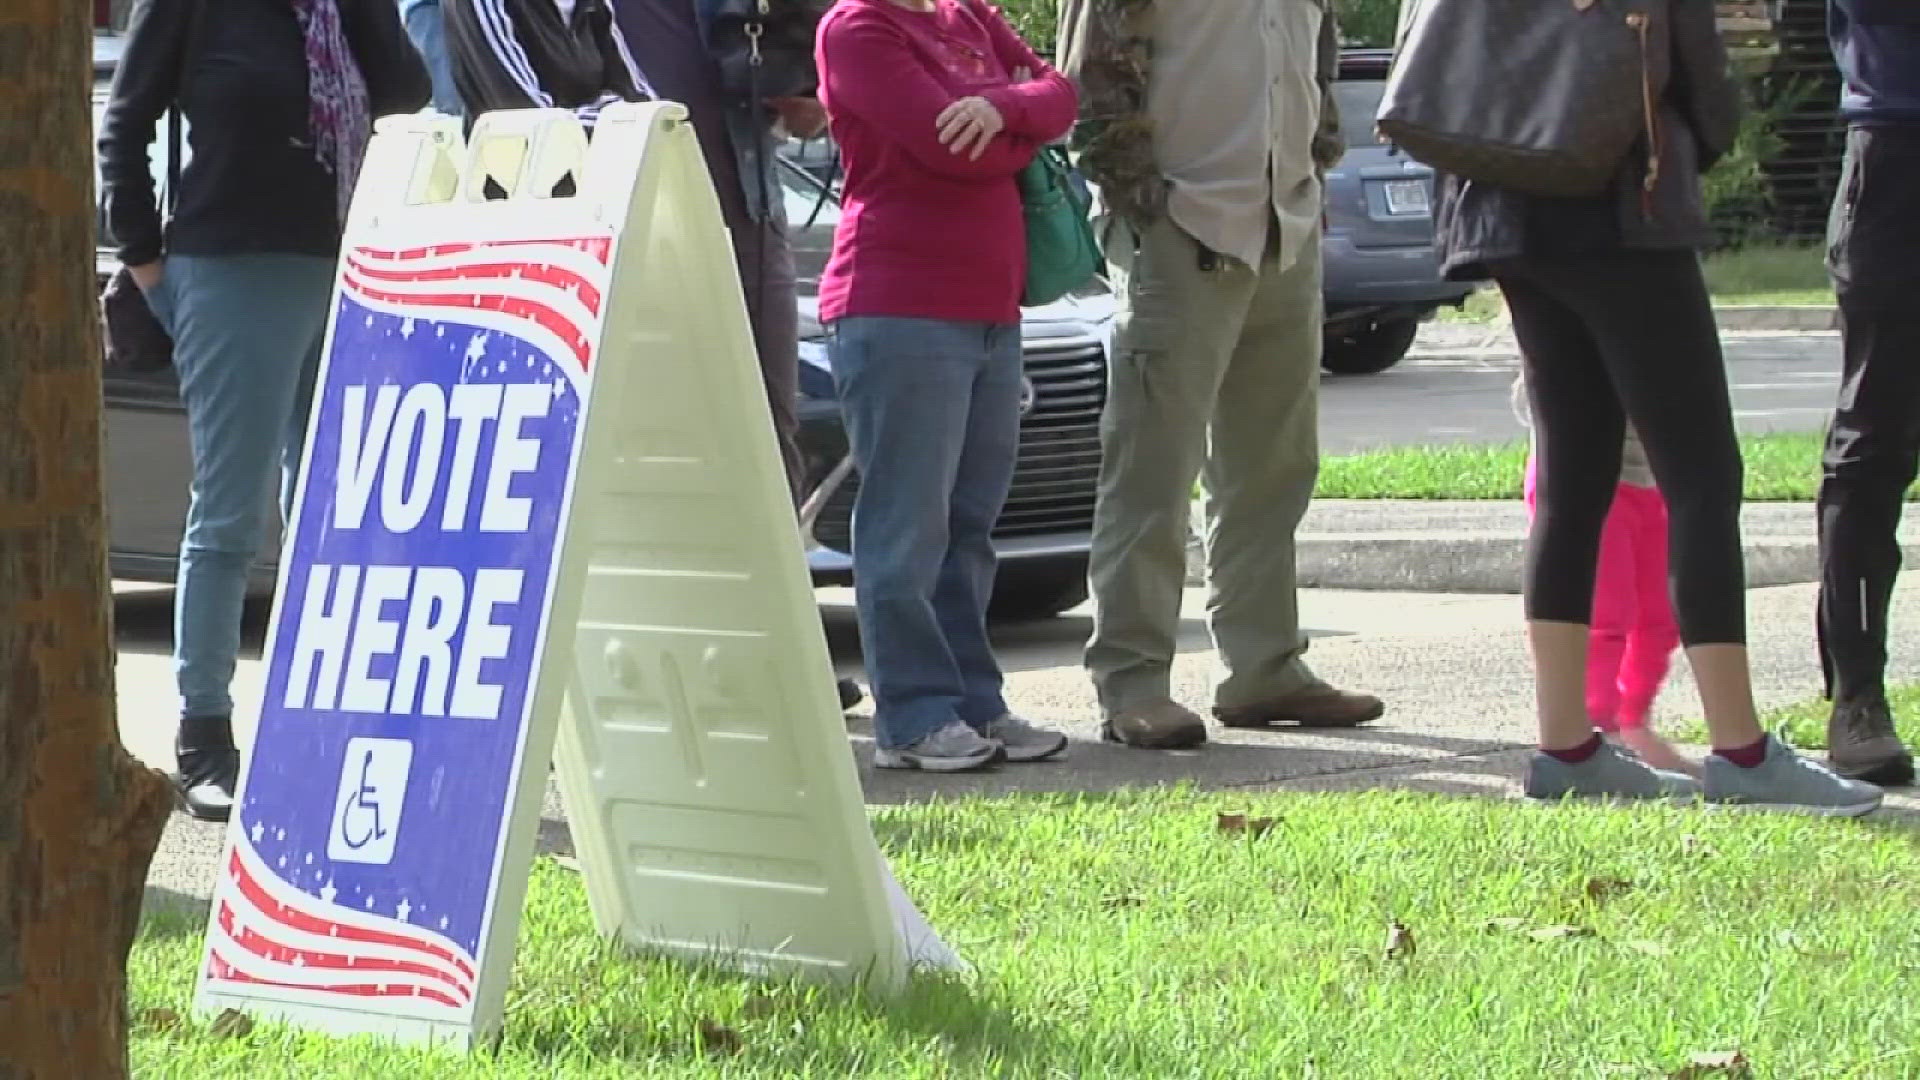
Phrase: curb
(1782,319)
(1441,547)
(1466,563)
(1757,319)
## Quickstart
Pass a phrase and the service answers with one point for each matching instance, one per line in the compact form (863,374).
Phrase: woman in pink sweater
(936,106)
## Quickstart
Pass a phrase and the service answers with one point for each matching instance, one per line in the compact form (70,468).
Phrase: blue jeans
(427,26)
(933,416)
(247,331)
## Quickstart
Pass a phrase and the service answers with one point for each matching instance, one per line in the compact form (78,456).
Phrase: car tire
(1372,350)
(1029,594)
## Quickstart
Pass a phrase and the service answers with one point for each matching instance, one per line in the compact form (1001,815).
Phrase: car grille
(1058,469)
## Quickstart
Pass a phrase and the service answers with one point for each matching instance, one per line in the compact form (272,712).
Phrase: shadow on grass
(809,1026)
(166,915)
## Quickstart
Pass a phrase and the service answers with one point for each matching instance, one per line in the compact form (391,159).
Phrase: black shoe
(209,767)
(850,694)
(206,781)
(1862,744)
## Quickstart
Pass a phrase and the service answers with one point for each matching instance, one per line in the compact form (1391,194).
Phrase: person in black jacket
(278,98)
(737,141)
(1873,444)
(1614,325)
(540,54)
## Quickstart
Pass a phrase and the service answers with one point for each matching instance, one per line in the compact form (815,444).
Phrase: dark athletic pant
(1605,338)
(1873,442)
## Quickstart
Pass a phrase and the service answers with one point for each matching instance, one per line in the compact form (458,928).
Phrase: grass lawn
(1128,936)
(1758,275)
(1780,468)
(1806,724)
(1770,275)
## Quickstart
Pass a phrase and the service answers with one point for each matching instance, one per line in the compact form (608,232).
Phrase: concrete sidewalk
(1453,670)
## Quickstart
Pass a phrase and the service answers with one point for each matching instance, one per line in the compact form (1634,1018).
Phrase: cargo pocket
(1846,204)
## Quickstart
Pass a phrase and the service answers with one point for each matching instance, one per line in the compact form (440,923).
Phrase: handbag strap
(1639,22)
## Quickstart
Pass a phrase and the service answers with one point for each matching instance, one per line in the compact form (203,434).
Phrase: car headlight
(813,354)
(816,371)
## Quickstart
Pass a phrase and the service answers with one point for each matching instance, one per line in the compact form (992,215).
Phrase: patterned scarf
(338,112)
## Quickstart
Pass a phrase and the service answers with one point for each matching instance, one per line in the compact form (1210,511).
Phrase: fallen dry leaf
(231,1024)
(1724,1063)
(160,1019)
(1231,823)
(1651,948)
(1599,889)
(1262,826)
(1399,942)
(1506,924)
(1559,933)
(719,1039)
(1693,845)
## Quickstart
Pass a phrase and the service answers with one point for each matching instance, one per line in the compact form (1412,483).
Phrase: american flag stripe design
(548,293)
(272,934)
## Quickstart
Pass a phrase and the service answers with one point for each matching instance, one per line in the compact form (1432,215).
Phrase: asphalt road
(1454,389)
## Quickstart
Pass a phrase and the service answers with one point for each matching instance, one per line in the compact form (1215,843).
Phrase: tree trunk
(79,818)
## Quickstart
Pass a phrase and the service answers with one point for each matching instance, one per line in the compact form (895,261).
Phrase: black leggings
(1605,338)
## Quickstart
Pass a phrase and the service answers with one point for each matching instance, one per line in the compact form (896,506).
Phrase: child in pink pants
(1633,634)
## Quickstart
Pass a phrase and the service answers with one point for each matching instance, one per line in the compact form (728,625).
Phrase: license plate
(1408,197)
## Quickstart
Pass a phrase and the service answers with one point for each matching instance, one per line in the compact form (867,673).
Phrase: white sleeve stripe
(620,42)
(497,25)
(590,112)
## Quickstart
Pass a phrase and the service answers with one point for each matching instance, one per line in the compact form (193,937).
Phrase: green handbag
(1062,254)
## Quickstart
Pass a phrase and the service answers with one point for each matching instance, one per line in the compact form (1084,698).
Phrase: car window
(802,191)
(1359,102)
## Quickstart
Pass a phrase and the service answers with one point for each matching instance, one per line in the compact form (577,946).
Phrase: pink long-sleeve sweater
(924,232)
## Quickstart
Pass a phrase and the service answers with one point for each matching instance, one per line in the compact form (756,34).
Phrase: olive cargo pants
(1214,375)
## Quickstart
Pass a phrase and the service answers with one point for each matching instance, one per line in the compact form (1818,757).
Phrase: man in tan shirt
(1206,125)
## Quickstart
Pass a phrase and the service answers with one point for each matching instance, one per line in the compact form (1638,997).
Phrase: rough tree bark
(79,819)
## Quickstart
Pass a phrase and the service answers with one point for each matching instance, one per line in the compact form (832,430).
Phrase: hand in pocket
(147,275)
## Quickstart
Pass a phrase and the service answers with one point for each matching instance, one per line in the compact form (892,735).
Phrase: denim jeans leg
(293,443)
(979,493)
(427,26)
(904,385)
(244,327)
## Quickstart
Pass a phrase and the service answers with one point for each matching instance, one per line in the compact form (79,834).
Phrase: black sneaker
(1862,744)
(206,781)
(850,694)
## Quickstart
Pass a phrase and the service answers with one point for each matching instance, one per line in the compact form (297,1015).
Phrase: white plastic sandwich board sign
(540,496)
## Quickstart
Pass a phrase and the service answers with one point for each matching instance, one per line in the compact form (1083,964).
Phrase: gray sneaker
(1024,741)
(954,748)
(1787,782)
(1610,773)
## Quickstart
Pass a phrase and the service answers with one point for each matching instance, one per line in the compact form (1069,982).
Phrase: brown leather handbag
(1543,97)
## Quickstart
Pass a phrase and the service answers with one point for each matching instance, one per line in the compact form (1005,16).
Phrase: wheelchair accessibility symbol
(367,804)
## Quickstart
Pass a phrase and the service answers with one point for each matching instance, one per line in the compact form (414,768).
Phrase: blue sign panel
(407,635)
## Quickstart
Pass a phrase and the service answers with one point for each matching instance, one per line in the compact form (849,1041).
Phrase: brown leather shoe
(1163,725)
(1319,706)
